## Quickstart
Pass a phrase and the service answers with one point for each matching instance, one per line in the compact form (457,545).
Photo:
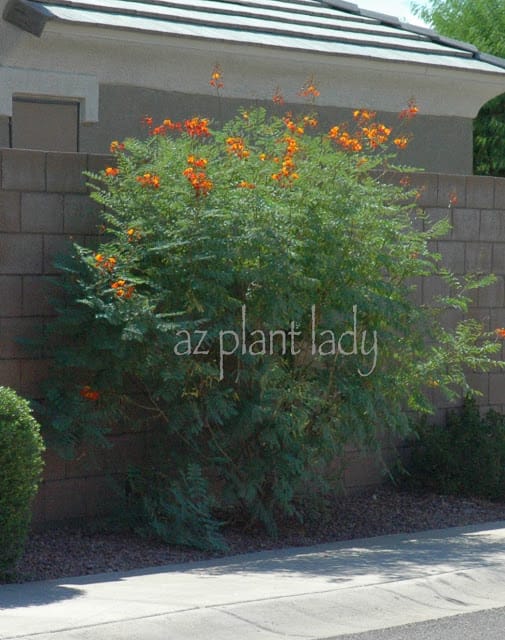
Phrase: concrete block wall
(44,205)
(475,208)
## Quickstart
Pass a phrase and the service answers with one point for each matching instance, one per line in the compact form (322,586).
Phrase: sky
(398,8)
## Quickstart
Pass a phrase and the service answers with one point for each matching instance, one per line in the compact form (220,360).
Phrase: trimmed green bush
(466,456)
(21,448)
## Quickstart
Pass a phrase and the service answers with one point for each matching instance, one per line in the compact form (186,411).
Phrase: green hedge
(21,448)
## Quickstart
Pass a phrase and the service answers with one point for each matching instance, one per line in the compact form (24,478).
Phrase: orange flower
(236,146)
(334,132)
(116,146)
(169,124)
(405,181)
(278,98)
(105,263)
(453,199)
(243,184)
(348,143)
(160,130)
(149,180)
(377,134)
(216,77)
(410,112)
(147,120)
(90,394)
(133,234)
(197,127)
(363,115)
(112,172)
(197,162)
(309,90)
(401,142)
(500,333)
(198,180)
(310,121)
(263,157)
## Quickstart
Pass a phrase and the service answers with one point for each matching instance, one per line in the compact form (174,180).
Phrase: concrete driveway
(312,593)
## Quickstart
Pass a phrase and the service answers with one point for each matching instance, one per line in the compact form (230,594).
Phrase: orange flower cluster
(198,179)
(410,112)
(500,333)
(216,78)
(309,90)
(278,98)
(105,263)
(116,146)
(310,121)
(90,394)
(149,180)
(121,290)
(362,116)
(287,173)
(401,142)
(243,184)
(345,140)
(236,146)
(111,172)
(377,134)
(197,127)
(292,125)
(133,234)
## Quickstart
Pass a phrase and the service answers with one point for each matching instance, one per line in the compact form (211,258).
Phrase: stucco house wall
(119,67)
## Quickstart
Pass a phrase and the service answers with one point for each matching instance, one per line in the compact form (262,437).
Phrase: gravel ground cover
(66,552)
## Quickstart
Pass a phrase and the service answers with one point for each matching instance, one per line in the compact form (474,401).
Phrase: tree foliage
(482,23)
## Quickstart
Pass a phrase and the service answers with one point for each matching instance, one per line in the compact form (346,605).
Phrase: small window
(44,124)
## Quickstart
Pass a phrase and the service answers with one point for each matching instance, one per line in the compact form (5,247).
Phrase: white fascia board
(25,82)
(253,72)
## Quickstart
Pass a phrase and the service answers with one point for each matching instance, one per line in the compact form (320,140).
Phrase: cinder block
(10,374)
(65,172)
(451,188)
(33,373)
(427,186)
(11,293)
(492,225)
(65,499)
(12,331)
(20,253)
(97,162)
(23,170)
(54,466)
(499,193)
(362,470)
(466,224)
(453,256)
(493,295)
(101,495)
(433,288)
(478,257)
(479,382)
(55,245)
(81,214)
(438,214)
(498,261)
(496,388)
(41,212)
(480,192)
(10,208)
(38,291)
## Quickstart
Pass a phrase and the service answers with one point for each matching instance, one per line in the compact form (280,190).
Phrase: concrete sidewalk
(312,593)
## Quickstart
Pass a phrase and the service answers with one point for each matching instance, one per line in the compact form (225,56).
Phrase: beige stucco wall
(442,143)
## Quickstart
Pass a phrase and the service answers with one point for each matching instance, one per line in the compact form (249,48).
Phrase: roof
(327,27)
